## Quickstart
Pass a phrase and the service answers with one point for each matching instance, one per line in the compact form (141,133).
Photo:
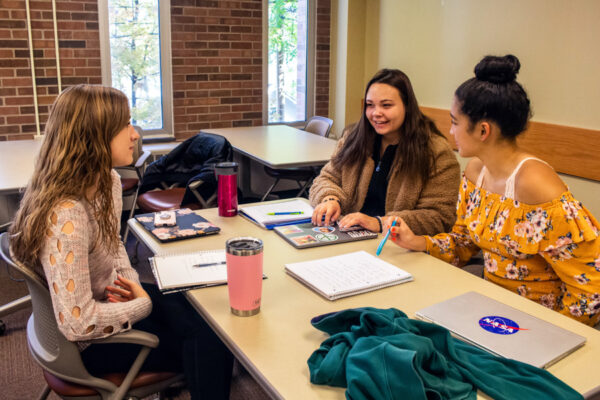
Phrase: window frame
(164,21)
(311,66)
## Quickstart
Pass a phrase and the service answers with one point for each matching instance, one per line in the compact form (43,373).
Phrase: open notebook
(347,274)
(274,214)
(176,272)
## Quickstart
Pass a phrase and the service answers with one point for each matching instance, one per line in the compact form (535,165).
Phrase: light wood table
(279,146)
(276,146)
(17,159)
(275,344)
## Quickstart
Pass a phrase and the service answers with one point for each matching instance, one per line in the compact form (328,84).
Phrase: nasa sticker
(500,325)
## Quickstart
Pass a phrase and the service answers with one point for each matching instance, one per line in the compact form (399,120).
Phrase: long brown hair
(75,158)
(416,154)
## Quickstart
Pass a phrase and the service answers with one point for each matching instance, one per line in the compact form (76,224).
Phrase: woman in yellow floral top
(537,240)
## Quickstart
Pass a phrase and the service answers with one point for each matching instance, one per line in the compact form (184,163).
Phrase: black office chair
(302,175)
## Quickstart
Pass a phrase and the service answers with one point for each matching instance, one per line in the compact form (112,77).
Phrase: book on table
(270,215)
(177,272)
(347,274)
(188,225)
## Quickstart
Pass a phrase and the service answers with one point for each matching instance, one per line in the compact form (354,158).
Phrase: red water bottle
(227,192)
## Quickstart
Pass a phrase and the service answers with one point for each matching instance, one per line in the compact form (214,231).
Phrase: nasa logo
(500,325)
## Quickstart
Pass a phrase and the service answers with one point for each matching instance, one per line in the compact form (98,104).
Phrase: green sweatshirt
(382,354)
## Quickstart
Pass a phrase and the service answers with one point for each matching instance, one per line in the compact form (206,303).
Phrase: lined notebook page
(347,274)
(177,270)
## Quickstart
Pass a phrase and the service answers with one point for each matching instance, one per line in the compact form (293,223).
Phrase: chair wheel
(2,328)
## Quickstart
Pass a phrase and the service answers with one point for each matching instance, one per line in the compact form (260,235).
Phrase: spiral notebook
(177,272)
(347,274)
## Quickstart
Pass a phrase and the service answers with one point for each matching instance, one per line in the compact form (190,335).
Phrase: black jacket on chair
(192,160)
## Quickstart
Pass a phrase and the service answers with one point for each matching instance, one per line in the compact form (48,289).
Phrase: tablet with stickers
(308,235)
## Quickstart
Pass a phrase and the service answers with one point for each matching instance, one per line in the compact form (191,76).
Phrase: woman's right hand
(403,236)
(125,290)
(330,209)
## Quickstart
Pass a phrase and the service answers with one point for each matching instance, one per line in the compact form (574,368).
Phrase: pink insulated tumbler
(244,275)
(227,191)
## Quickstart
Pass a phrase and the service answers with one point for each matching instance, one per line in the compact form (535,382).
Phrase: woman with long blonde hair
(67,231)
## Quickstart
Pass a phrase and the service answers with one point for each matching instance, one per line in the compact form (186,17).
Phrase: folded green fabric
(382,354)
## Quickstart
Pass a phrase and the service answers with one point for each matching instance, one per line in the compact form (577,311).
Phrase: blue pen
(385,238)
(286,213)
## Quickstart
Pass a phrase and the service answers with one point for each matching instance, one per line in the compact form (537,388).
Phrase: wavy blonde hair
(74,162)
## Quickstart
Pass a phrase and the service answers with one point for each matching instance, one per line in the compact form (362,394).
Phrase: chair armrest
(133,336)
(142,159)
(196,184)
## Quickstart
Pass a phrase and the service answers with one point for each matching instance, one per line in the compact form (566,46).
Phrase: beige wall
(348,39)
(438,42)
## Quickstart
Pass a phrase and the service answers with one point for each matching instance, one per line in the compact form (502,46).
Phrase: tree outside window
(287,36)
(135,58)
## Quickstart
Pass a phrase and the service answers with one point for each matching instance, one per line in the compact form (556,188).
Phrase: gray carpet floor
(21,378)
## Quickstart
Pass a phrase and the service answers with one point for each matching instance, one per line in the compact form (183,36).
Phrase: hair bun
(496,69)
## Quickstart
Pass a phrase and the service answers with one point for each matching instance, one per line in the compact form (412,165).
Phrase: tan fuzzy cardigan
(428,209)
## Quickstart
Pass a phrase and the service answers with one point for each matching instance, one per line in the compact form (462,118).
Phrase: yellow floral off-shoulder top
(549,252)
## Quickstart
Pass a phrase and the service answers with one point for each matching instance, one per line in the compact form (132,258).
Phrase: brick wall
(322,58)
(216,61)
(217,64)
(77,23)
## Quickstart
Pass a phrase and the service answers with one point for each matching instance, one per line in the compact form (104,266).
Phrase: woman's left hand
(124,290)
(361,219)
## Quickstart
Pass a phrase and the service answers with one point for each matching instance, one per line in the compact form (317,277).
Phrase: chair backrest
(319,126)
(137,150)
(47,345)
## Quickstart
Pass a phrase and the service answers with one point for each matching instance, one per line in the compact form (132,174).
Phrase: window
(135,47)
(290,52)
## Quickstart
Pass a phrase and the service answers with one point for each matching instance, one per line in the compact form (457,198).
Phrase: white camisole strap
(509,188)
(480,177)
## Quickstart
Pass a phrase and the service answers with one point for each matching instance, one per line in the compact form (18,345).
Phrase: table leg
(245,176)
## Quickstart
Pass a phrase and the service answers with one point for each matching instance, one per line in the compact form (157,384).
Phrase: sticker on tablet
(326,237)
(323,229)
(287,230)
(301,240)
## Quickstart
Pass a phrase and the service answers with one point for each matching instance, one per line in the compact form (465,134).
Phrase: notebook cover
(189,225)
(303,236)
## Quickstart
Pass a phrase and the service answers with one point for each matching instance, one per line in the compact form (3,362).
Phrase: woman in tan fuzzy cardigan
(394,161)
